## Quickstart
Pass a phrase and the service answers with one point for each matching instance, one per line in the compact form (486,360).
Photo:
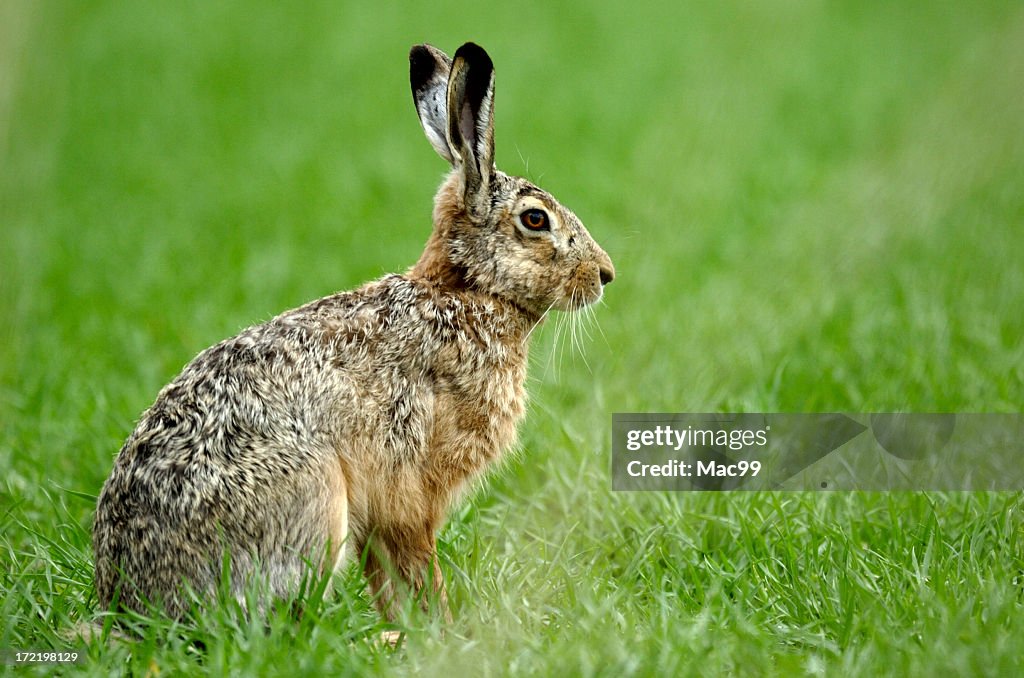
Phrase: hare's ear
(428,75)
(471,121)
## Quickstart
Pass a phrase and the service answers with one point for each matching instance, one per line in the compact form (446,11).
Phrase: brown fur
(353,421)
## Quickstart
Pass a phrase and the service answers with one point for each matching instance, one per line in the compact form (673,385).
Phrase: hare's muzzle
(586,284)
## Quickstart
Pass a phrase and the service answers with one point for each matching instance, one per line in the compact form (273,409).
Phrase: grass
(811,207)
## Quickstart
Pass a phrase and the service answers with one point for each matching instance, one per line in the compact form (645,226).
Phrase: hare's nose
(605,269)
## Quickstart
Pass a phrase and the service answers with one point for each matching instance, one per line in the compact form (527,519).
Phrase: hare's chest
(476,415)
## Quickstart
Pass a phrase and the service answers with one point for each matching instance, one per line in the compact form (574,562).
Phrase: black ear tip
(475,55)
(421,65)
(418,53)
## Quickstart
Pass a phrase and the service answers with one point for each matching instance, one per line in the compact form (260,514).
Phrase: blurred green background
(812,206)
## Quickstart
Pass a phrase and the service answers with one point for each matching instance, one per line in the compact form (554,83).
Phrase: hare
(355,420)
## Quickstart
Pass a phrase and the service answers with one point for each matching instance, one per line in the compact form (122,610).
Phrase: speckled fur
(355,420)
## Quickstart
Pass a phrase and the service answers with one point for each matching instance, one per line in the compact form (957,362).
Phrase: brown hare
(355,420)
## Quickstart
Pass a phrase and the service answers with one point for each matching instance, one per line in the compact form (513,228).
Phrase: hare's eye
(535,220)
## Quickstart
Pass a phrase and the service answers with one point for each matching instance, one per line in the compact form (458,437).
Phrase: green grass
(811,207)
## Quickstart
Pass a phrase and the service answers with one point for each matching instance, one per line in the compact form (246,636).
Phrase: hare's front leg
(400,562)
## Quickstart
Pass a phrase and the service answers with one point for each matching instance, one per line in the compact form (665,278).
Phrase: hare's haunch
(353,421)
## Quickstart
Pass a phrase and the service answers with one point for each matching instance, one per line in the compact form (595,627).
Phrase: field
(812,207)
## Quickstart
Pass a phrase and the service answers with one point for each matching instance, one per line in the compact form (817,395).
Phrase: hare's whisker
(540,319)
